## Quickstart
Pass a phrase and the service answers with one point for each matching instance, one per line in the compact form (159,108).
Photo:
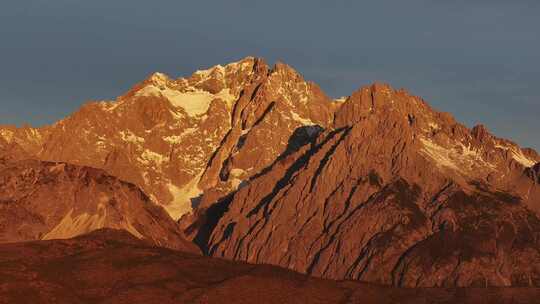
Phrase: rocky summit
(176,138)
(393,193)
(256,164)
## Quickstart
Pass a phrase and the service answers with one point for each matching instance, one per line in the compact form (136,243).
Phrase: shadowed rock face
(396,193)
(534,173)
(45,200)
(111,266)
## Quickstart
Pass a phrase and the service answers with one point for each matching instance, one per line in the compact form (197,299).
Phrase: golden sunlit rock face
(46,200)
(253,163)
(394,193)
(176,138)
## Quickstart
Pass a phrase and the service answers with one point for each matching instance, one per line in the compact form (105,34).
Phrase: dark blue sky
(478,59)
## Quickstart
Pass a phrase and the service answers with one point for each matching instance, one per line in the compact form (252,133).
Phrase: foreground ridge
(112,266)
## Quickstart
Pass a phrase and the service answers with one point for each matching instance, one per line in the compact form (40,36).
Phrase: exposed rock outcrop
(396,193)
(176,138)
(46,200)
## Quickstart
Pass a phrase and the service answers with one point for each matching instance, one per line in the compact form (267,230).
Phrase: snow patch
(109,105)
(33,134)
(159,78)
(522,159)
(467,151)
(181,203)
(7,134)
(176,139)
(235,183)
(303,121)
(195,102)
(439,154)
(434,126)
(498,146)
(517,155)
(128,136)
(241,65)
(460,158)
(206,73)
(148,157)
(236,172)
(235,179)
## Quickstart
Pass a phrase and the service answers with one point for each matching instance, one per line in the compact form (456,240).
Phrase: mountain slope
(175,138)
(109,266)
(396,193)
(45,200)
(261,166)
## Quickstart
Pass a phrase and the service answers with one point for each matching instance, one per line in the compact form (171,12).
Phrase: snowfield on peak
(459,158)
(522,159)
(516,154)
(182,198)
(195,103)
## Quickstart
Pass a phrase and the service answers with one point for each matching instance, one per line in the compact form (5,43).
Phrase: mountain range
(250,162)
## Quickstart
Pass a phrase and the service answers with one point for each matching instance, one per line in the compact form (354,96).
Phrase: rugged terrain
(175,138)
(261,166)
(110,266)
(395,193)
(45,200)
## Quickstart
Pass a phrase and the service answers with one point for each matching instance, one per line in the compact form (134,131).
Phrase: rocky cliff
(46,200)
(393,193)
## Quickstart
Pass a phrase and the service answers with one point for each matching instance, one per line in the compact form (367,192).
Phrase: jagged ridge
(266,168)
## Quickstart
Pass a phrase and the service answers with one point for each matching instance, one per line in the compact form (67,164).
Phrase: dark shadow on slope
(299,163)
(326,158)
(196,201)
(298,140)
(208,221)
(224,173)
(218,150)
(496,194)
(225,138)
(263,116)
(301,136)
(534,173)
